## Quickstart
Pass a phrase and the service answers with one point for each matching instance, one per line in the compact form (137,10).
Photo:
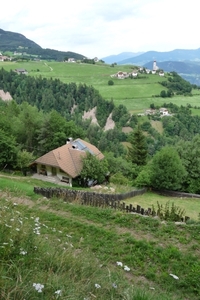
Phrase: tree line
(37,121)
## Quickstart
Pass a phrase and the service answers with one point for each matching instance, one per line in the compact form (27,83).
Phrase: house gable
(68,158)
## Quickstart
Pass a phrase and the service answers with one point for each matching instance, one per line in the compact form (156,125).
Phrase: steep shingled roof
(69,156)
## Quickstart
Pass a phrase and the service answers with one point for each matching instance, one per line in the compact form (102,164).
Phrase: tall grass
(73,248)
(42,259)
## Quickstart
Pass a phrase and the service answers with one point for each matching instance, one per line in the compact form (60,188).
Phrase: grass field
(135,94)
(51,249)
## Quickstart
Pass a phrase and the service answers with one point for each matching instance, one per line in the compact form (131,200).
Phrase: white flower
(174,276)
(69,236)
(17,229)
(23,252)
(114,285)
(8,226)
(119,263)
(97,286)
(126,268)
(38,287)
(58,292)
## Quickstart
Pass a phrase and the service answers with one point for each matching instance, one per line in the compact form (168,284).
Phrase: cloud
(104,27)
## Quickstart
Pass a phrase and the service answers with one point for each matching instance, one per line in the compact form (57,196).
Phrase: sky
(99,28)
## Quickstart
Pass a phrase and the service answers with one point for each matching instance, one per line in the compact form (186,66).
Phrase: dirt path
(51,69)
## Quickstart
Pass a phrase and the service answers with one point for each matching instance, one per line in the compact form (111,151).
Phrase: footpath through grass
(79,252)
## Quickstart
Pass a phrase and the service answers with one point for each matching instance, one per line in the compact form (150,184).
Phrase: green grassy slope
(135,94)
(71,247)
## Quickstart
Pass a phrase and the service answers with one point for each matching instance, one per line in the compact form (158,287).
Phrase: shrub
(110,82)
(119,178)
(173,213)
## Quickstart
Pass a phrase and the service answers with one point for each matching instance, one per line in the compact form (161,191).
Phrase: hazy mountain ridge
(174,55)
(115,58)
(12,41)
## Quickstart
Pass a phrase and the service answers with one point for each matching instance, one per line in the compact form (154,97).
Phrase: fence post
(138,209)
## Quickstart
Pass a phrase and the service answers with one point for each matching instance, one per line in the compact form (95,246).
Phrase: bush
(119,178)
(110,82)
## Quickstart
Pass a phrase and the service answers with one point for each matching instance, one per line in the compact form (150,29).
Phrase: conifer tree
(137,153)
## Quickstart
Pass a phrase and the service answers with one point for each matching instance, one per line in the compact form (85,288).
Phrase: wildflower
(174,276)
(114,285)
(69,236)
(17,229)
(37,219)
(152,288)
(58,292)
(38,287)
(97,286)
(126,268)
(23,252)
(8,226)
(14,204)
(119,263)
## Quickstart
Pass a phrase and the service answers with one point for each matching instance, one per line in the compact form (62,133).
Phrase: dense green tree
(26,125)
(189,152)
(118,165)
(54,132)
(93,168)
(24,158)
(144,178)
(167,171)
(137,152)
(8,150)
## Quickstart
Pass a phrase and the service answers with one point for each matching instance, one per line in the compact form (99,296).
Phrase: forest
(45,112)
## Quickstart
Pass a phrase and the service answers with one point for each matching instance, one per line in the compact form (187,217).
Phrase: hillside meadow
(135,94)
(51,249)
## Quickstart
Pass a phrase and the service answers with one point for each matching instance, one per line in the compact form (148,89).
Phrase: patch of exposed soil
(110,124)
(91,114)
(5,96)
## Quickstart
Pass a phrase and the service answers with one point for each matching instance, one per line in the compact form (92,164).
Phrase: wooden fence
(113,201)
(72,195)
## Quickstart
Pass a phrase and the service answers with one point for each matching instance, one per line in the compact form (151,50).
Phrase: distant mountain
(189,70)
(119,57)
(12,41)
(175,55)
(186,67)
